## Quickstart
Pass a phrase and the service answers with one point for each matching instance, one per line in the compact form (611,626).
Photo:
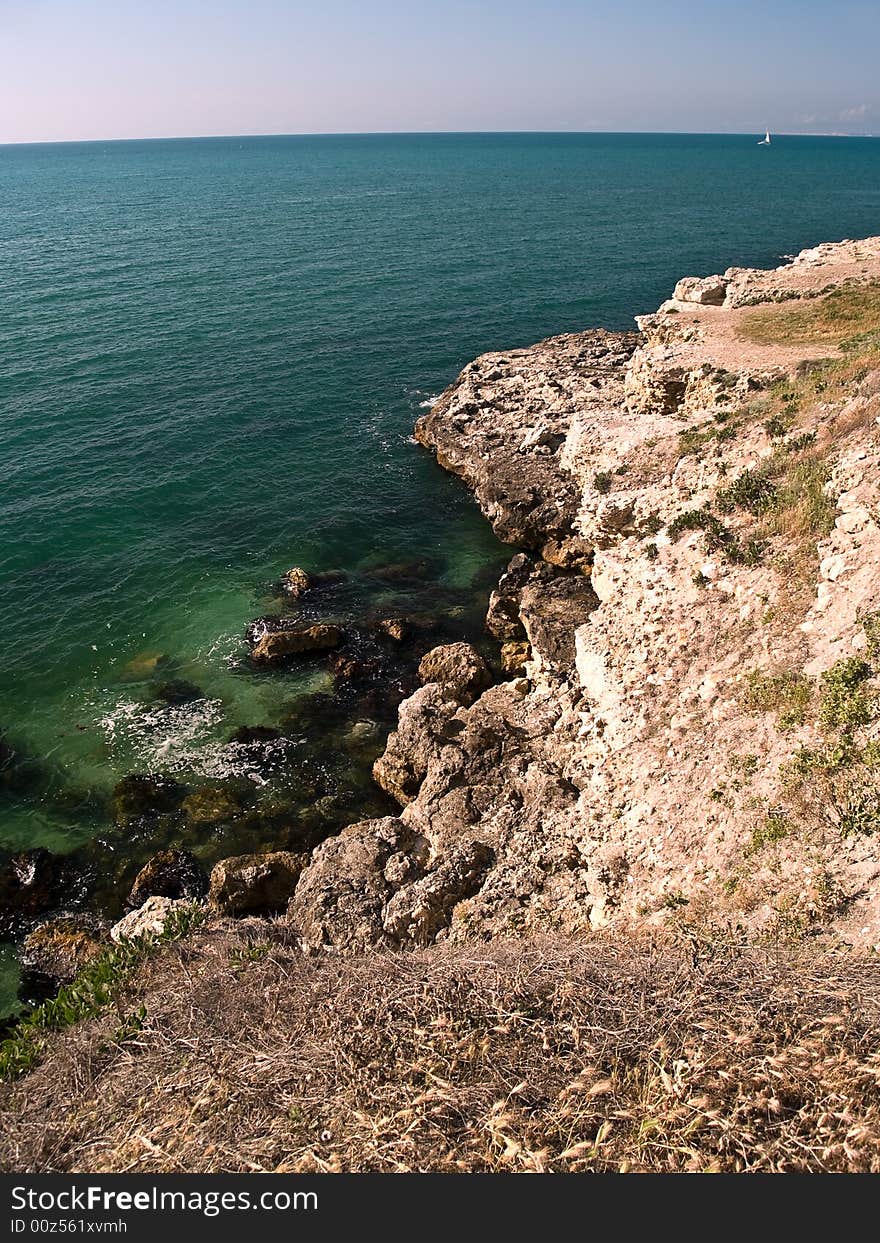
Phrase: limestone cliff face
(695,511)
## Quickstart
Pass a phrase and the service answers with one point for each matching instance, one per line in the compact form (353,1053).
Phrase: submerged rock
(214,804)
(253,735)
(276,646)
(171,873)
(146,794)
(349,667)
(458,668)
(18,772)
(145,665)
(177,691)
(250,884)
(60,948)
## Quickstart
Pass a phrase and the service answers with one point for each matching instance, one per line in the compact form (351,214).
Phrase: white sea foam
(182,738)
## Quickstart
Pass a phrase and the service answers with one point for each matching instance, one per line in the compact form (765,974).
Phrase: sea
(212,354)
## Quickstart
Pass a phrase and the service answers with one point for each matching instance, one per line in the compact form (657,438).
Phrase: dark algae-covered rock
(171,873)
(31,882)
(146,794)
(214,804)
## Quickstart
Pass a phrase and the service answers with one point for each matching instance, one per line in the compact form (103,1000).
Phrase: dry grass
(550,1056)
(851,311)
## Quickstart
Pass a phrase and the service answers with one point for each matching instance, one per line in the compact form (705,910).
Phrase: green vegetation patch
(787,694)
(846,702)
(98,985)
(850,315)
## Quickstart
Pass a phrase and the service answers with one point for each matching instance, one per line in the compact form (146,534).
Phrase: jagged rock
(514,656)
(706,290)
(395,628)
(149,919)
(416,913)
(146,794)
(551,612)
(30,883)
(503,619)
(424,718)
(501,424)
(171,873)
(296,582)
(251,884)
(60,948)
(341,895)
(458,668)
(280,645)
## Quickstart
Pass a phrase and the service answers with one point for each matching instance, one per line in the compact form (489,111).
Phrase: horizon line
(426,133)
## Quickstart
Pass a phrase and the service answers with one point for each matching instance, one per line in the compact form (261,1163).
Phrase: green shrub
(846,703)
(752,491)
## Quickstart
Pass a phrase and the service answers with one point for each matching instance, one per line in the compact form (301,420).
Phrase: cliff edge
(690,732)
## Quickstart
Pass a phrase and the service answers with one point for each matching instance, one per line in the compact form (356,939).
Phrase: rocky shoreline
(683,641)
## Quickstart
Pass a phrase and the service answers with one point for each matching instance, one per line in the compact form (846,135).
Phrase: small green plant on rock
(846,702)
(787,694)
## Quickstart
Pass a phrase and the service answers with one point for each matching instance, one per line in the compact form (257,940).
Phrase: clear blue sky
(74,69)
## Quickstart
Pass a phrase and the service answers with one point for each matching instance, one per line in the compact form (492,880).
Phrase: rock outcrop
(255,884)
(696,512)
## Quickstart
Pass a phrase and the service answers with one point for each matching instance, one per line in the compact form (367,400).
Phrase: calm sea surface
(212,353)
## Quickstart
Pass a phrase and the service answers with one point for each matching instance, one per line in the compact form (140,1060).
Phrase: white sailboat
(765,141)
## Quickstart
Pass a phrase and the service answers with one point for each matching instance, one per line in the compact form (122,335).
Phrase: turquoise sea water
(212,353)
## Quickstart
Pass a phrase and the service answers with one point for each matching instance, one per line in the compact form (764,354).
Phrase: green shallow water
(213,352)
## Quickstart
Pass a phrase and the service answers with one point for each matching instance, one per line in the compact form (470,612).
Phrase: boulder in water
(171,873)
(394,628)
(60,948)
(296,582)
(277,646)
(146,794)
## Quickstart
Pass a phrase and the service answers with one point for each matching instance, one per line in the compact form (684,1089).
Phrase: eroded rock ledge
(696,513)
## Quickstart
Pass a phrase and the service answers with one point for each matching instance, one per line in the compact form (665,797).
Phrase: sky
(100,69)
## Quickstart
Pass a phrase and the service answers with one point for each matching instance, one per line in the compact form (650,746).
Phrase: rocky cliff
(688,731)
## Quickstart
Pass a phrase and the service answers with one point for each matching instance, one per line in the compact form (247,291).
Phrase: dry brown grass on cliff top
(848,312)
(504,1057)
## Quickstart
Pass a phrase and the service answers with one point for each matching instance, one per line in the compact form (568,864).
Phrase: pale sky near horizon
(87,69)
